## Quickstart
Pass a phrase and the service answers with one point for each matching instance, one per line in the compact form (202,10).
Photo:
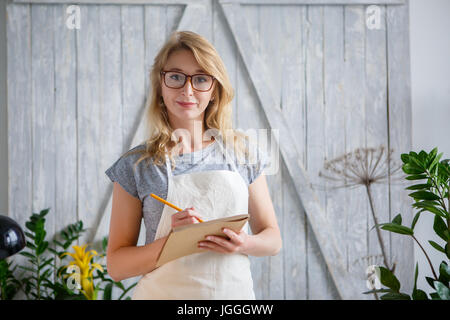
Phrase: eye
(201,79)
(175,77)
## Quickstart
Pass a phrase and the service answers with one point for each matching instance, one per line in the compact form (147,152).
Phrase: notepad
(184,240)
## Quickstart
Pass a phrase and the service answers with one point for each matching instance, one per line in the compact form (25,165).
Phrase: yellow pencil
(170,205)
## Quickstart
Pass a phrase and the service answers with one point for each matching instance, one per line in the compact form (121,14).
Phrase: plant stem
(429,261)
(380,240)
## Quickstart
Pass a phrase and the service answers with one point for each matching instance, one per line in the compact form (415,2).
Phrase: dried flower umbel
(363,167)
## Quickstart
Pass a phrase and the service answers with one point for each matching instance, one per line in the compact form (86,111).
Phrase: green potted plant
(48,276)
(431,195)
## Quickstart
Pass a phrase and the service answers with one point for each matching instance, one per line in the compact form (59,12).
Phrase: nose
(188,89)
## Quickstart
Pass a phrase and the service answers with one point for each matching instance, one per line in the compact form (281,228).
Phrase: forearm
(266,243)
(127,262)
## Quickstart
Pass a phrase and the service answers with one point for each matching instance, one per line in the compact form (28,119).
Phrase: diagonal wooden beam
(260,77)
(189,21)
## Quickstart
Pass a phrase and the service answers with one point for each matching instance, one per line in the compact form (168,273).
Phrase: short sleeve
(122,173)
(256,166)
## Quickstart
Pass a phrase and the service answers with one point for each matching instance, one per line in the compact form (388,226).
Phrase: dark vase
(12,238)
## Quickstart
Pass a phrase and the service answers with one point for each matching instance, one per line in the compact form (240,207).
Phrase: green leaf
(436,246)
(416,177)
(395,296)
(416,273)
(397,229)
(447,249)
(419,186)
(435,162)
(419,295)
(430,207)
(404,157)
(430,282)
(440,228)
(432,155)
(416,218)
(435,296)
(388,279)
(41,248)
(44,212)
(418,162)
(108,291)
(444,272)
(30,226)
(409,168)
(422,156)
(27,254)
(442,290)
(397,219)
(424,195)
(105,243)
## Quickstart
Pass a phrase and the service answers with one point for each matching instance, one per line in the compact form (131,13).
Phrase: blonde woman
(188,161)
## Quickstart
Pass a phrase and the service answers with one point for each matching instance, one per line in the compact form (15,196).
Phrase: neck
(191,133)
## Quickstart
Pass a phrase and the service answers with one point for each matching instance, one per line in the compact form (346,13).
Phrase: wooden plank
(259,75)
(227,50)
(3,116)
(65,56)
(43,114)
(269,35)
(89,108)
(19,100)
(399,108)
(377,134)
(249,117)
(353,110)
(133,76)
(288,76)
(316,139)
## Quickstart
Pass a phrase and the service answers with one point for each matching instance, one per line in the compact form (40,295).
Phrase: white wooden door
(311,69)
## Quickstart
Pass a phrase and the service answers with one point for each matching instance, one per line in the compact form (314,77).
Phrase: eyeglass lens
(199,82)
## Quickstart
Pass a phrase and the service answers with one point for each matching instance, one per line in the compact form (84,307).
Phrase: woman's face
(185,62)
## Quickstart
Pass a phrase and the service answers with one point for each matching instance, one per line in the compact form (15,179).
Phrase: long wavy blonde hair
(218,114)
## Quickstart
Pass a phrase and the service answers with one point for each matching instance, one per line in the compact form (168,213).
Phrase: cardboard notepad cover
(184,240)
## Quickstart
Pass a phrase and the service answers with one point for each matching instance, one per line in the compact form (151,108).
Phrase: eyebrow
(177,69)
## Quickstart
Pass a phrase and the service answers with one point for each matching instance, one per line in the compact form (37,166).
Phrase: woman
(192,95)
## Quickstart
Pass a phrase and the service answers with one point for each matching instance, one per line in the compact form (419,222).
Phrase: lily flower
(82,260)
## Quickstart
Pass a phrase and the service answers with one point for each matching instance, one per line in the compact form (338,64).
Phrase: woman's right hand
(187,216)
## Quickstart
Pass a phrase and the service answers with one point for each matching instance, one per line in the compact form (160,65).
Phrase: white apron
(206,275)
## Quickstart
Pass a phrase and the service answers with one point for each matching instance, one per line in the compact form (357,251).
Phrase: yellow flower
(82,260)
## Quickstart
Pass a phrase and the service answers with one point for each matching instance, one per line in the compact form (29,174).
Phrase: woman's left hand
(237,242)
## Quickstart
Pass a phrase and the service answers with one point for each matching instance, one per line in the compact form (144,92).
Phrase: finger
(187,213)
(234,237)
(208,245)
(187,220)
(226,244)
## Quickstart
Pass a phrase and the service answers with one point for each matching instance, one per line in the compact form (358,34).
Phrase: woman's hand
(187,216)
(237,242)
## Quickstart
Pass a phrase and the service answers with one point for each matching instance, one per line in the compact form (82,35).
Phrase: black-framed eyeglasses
(177,80)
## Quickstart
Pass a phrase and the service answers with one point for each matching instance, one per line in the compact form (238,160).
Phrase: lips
(184,104)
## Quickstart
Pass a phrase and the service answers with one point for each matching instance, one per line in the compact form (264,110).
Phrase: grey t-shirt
(143,181)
